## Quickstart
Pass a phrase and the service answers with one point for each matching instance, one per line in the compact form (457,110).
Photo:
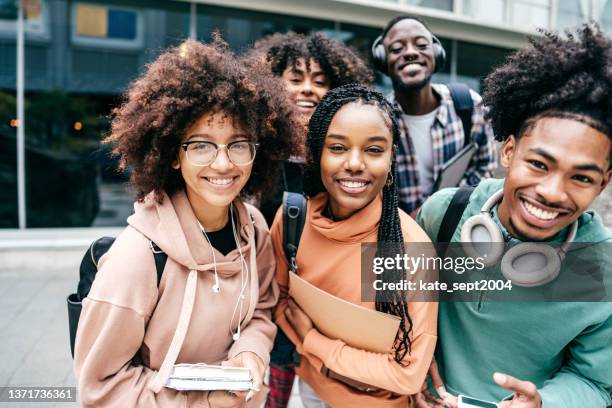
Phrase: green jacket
(564,348)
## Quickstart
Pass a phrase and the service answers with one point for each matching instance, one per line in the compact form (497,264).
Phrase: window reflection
(437,4)
(606,15)
(572,13)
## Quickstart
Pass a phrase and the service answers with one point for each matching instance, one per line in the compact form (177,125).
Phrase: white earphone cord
(216,288)
(243,281)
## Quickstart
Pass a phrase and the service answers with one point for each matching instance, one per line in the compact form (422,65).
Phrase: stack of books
(203,377)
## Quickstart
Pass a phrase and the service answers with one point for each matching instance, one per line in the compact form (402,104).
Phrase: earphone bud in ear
(526,264)
(216,288)
(236,335)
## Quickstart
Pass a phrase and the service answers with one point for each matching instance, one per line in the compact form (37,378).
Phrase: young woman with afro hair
(195,132)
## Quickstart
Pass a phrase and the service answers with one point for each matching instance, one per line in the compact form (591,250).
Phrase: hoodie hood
(174,228)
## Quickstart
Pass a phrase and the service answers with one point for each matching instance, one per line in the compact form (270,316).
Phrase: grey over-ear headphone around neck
(528,264)
(379,53)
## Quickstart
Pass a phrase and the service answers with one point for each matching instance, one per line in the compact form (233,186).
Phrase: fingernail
(499,378)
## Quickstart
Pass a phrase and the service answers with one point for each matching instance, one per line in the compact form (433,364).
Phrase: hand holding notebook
(337,318)
(203,377)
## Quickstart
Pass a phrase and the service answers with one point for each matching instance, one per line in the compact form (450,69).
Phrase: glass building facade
(80,56)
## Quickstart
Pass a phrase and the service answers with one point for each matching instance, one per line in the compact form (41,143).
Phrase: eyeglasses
(240,152)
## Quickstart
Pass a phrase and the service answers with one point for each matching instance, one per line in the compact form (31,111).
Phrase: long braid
(389,230)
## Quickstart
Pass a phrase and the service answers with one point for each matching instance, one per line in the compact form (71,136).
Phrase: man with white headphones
(551,106)
(436,121)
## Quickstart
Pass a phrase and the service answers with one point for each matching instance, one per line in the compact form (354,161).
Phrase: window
(241,28)
(437,4)
(475,61)
(106,25)
(532,13)
(517,13)
(36,20)
(491,11)
(606,15)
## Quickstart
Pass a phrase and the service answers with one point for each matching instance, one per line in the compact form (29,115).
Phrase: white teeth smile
(306,104)
(412,66)
(352,184)
(539,213)
(220,181)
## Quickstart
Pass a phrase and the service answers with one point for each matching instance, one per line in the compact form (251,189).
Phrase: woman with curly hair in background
(310,66)
(196,130)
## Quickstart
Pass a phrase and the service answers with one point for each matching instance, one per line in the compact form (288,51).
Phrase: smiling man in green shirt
(550,105)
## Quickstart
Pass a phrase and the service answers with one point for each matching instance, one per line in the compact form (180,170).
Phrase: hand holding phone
(526,393)
(469,402)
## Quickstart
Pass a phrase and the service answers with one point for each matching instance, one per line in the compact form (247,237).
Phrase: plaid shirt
(447,140)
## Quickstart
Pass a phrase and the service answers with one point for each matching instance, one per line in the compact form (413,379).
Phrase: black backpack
(294,217)
(87,274)
(464,108)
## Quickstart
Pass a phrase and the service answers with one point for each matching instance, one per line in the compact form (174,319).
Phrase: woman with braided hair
(352,198)
(309,66)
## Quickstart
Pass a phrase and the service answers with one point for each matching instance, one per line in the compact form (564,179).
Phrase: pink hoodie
(131,333)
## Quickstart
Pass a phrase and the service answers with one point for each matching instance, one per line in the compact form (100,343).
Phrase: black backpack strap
(464,107)
(294,217)
(160,260)
(453,213)
(87,274)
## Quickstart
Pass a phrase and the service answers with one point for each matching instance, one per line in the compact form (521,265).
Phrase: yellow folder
(336,318)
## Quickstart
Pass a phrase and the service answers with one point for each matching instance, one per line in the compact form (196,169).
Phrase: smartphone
(469,402)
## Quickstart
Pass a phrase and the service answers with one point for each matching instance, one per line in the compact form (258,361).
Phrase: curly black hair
(339,62)
(565,76)
(389,230)
(184,83)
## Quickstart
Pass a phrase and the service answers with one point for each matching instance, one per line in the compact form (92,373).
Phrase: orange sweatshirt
(329,256)
(128,324)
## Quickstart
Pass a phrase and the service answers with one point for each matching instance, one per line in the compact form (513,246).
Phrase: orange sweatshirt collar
(353,229)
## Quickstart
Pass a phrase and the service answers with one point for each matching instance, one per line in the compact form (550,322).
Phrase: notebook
(203,377)
(336,318)
(452,171)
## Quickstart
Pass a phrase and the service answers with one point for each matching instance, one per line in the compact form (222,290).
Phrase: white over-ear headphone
(529,264)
